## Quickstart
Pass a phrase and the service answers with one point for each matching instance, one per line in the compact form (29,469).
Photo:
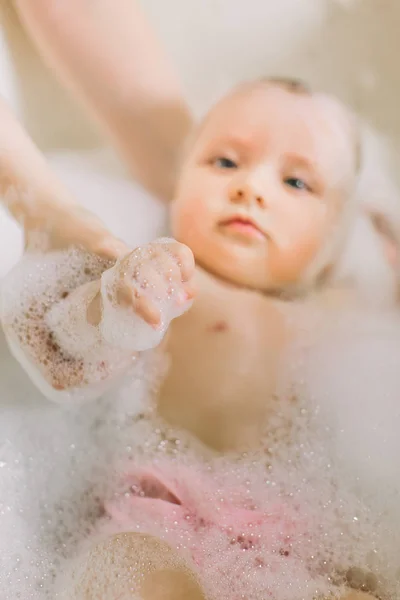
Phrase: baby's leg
(171,585)
(357,596)
(132,567)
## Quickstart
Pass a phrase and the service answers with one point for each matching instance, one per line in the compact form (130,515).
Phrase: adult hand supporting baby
(40,203)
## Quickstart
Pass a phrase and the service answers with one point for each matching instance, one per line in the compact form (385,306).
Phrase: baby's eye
(224,163)
(297,184)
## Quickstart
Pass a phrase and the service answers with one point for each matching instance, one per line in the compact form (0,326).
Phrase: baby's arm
(107,53)
(39,202)
(76,336)
(29,294)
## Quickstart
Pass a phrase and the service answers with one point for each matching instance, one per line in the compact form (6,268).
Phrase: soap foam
(329,460)
(317,537)
(56,460)
(61,463)
(120,326)
(44,315)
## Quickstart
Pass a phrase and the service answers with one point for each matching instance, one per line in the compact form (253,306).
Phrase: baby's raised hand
(144,291)
(152,277)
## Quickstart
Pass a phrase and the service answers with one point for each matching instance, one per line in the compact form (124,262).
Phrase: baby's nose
(246,193)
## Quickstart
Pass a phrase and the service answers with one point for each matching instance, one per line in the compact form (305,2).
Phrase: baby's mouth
(243,226)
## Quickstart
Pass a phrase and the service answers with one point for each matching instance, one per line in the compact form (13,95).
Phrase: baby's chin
(242,266)
(263,282)
(232,275)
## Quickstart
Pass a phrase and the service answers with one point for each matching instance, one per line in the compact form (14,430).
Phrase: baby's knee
(166,584)
(130,566)
(353,595)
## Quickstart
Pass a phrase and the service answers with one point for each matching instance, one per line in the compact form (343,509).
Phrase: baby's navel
(218,327)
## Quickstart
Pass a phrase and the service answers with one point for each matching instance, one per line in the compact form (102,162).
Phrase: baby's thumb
(112,248)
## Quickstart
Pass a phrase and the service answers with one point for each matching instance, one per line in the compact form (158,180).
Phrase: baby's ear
(390,239)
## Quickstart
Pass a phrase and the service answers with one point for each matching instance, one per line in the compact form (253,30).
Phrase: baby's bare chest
(224,362)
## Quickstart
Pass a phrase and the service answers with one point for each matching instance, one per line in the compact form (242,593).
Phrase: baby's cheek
(292,261)
(189,219)
(314,228)
(305,230)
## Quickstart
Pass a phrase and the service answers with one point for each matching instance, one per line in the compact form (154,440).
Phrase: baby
(265,203)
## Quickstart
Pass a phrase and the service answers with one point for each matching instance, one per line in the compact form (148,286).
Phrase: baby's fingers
(108,248)
(147,310)
(144,307)
(182,256)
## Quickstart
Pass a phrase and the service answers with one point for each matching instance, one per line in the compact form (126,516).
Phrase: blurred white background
(348,47)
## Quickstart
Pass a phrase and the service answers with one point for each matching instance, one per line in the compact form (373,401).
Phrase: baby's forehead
(271,114)
(272,106)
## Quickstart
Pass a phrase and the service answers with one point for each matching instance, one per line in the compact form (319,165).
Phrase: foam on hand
(280,523)
(45,302)
(43,312)
(120,326)
(56,460)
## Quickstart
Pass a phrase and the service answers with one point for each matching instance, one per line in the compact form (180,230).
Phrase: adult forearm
(108,54)
(27,185)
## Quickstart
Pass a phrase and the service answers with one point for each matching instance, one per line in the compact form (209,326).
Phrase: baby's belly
(224,402)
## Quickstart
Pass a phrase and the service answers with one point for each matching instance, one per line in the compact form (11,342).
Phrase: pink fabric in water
(184,507)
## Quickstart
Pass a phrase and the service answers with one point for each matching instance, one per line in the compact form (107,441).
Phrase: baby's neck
(204,274)
(333,290)
(337,295)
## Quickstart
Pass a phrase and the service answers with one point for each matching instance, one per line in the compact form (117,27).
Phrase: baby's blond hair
(298,86)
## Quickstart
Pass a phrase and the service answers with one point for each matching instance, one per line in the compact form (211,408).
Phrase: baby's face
(264,184)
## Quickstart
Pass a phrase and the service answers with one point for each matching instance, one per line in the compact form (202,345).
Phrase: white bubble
(122,327)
